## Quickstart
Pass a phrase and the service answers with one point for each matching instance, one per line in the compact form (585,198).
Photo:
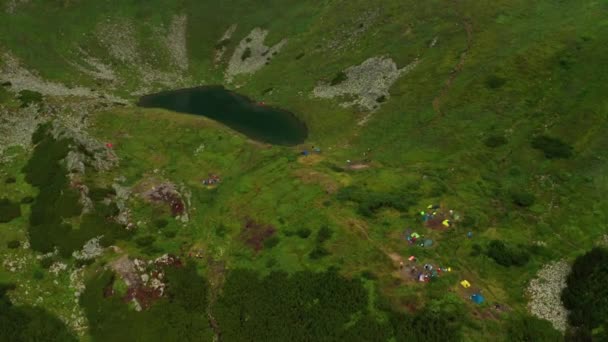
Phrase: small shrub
(9,210)
(248,39)
(38,275)
(27,200)
(476,250)
(369,275)
(246,54)
(318,252)
(146,240)
(339,78)
(169,233)
(300,55)
(46,262)
(507,255)
(495,141)
(13,244)
(99,194)
(523,198)
(304,233)
(324,234)
(222,43)
(381,99)
(495,82)
(160,223)
(553,148)
(10,180)
(221,231)
(28,97)
(271,242)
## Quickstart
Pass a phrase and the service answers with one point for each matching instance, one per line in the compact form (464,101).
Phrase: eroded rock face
(368,83)
(545,294)
(252,54)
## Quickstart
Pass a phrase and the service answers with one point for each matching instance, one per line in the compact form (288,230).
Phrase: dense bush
(507,255)
(145,240)
(495,82)
(304,233)
(180,315)
(586,293)
(246,54)
(530,328)
(24,323)
(494,141)
(318,252)
(57,201)
(28,97)
(9,210)
(522,198)
(13,244)
(553,148)
(99,194)
(369,202)
(324,234)
(271,242)
(339,78)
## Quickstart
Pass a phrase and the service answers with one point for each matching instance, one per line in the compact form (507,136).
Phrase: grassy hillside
(498,115)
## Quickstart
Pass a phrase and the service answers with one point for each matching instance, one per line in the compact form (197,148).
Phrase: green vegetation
(24,323)
(494,141)
(28,97)
(506,254)
(529,328)
(180,315)
(9,210)
(246,54)
(339,78)
(553,148)
(369,202)
(522,198)
(502,120)
(586,295)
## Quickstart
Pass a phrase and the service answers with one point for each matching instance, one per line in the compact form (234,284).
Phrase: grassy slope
(551,54)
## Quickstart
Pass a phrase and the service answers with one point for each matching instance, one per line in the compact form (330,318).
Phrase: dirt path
(457,69)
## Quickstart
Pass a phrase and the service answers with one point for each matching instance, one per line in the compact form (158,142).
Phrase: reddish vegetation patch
(166,193)
(255,233)
(145,296)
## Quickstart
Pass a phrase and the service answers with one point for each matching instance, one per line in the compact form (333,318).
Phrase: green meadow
(501,126)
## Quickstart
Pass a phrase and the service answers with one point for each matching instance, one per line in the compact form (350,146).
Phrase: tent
(446,223)
(465,284)
(428,243)
(415,235)
(477,298)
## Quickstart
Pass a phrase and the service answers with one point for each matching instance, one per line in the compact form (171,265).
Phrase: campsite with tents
(295,171)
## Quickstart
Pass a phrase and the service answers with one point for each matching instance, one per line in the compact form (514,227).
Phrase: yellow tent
(446,223)
(465,284)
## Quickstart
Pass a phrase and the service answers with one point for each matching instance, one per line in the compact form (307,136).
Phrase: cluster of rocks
(90,250)
(368,82)
(252,54)
(176,41)
(545,294)
(17,127)
(121,199)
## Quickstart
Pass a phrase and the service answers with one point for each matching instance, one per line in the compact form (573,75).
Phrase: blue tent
(477,298)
